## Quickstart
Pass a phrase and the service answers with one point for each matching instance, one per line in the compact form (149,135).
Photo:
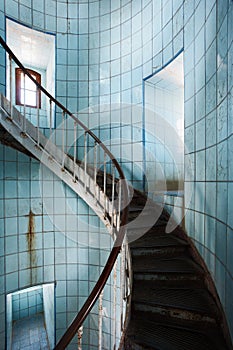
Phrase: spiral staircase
(172,304)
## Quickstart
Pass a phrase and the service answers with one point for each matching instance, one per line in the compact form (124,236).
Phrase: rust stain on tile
(31,243)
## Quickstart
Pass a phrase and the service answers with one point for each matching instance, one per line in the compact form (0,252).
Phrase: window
(21,40)
(26,91)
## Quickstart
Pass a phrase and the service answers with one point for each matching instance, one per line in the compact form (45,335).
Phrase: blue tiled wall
(27,303)
(73,258)
(104,50)
(208,121)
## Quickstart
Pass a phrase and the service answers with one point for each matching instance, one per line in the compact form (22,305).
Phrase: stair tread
(132,215)
(196,300)
(148,225)
(157,228)
(181,264)
(153,335)
(151,240)
(136,208)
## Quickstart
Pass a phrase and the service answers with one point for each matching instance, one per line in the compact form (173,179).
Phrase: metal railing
(95,182)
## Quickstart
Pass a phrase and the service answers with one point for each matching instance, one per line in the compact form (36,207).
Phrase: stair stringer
(52,157)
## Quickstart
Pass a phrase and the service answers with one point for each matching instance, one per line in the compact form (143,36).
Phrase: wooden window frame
(19,88)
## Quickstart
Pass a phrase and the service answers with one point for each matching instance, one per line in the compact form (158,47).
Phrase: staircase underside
(171,308)
(8,140)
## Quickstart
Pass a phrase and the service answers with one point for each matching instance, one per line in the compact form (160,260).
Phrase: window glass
(26,90)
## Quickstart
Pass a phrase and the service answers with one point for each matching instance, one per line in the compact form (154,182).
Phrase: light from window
(26,91)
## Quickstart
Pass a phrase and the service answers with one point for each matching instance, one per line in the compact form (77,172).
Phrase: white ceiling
(32,48)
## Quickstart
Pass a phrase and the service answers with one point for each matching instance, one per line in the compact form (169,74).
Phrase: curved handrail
(88,305)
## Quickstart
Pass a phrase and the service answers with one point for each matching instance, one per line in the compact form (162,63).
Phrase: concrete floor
(30,334)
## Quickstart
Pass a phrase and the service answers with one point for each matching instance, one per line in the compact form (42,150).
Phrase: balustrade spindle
(122,283)
(114,304)
(85,161)
(67,131)
(80,334)
(100,320)
(63,139)
(95,169)
(38,116)
(119,206)
(105,179)
(113,192)
(75,149)
(11,99)
(50,117)
(24,103)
